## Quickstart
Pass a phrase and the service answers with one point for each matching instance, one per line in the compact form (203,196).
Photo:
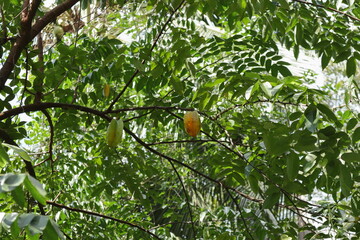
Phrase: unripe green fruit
(114,132)
(59,32)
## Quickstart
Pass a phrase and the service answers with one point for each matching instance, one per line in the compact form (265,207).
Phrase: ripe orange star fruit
(106,90)
(192,123)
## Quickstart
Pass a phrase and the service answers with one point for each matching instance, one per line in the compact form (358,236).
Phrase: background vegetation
(277,157)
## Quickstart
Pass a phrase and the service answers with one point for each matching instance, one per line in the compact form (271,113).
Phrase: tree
(273,159)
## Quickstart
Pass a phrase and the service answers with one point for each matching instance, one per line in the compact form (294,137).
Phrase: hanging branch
(187,197)
(241,214)
(102,216)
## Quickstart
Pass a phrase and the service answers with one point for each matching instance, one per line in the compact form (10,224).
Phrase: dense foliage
(274,159)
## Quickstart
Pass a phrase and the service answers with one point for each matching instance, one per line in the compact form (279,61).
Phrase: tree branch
(328,8)
(149,108)
(102,216)
(249,103)
(241,214)
(184,141)
(189,167)
(51,142)
(186,196)
(162,30)
(43,106)
(28,33)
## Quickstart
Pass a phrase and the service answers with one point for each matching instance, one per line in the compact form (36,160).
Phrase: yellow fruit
(192,123)
(114,132)
(106,90)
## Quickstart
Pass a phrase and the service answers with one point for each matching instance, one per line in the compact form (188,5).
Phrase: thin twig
(162,30)
(186,195)
(102,216)
(185,141)
(241,214)
(329,8)
(189,167)
(249,103)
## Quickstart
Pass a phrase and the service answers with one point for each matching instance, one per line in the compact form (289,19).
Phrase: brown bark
(28,32)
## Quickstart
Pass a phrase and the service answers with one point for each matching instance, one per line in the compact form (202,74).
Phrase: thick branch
(23,40)
(150,108)
(32,10)
(43,106)
(51,142)
(102,216)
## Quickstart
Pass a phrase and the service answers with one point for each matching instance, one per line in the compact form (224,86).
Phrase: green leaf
(351,124)
(342,56)
(216,82)
(14,229)
(351,67)
(254,184)
(292,166)
(11,181)
(284,4)
(19,196)
(351,157)
(22,153)
(38,224)
(306,142)
(139,66)
(52,231)
(251,90)
(4,157)
(157,71)
(8,219)
(311,116)
(311,113)
(346,181)
(177,85)
(266,87)
(191,68)
(25,219)
(356,135)
(328,113)
(36,189)
(271,200)
(325,59)
(275,144)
